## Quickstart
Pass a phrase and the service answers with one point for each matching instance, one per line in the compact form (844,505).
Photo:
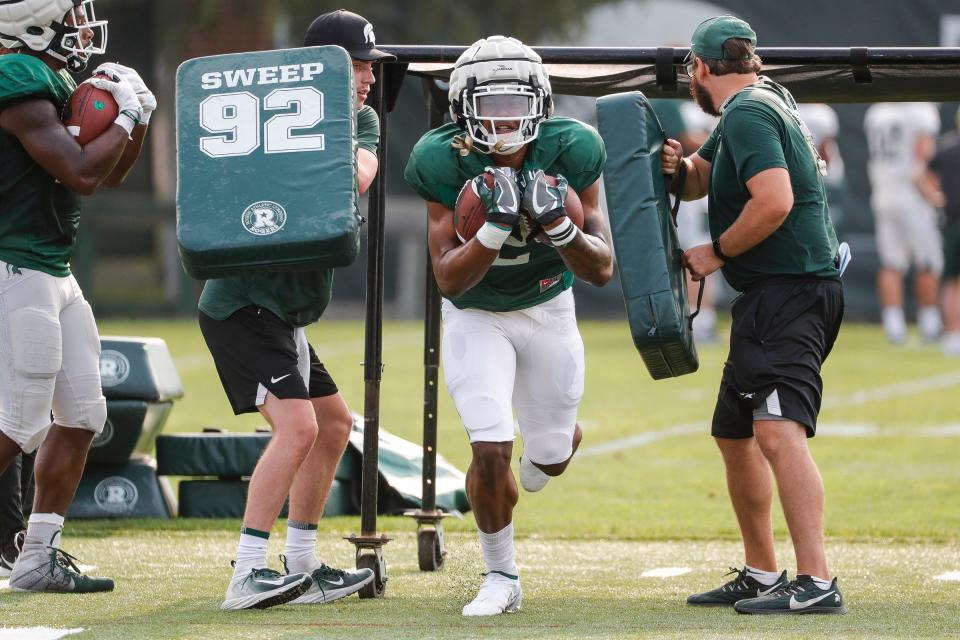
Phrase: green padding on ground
(132,425)
(228,498)
(130,490)
(234,455)
(266,164)
(133,368)
(644,237)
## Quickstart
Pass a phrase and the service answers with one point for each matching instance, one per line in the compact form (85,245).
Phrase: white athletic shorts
(49,357)
(907,233)
(530,361)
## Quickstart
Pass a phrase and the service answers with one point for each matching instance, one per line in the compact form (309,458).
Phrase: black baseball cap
(347,29)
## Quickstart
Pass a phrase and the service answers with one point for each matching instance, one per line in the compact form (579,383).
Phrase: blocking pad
(644,235)
(266,161)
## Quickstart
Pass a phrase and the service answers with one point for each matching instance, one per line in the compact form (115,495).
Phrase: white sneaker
(950,345)
(531,478)
(498,594)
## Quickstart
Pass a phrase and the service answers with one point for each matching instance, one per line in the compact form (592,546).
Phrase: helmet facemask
(56,27)
(68,44)
(502,118)
(499,93)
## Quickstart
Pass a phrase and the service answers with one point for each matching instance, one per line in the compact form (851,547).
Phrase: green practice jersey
(38,215)
(299,297)
(759,130)
(527,272)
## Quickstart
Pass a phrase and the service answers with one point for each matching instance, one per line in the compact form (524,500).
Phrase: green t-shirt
(758,131)
(298,297)
(38,215)
(527,272)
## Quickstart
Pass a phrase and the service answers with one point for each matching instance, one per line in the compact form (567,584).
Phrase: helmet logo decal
(368,34)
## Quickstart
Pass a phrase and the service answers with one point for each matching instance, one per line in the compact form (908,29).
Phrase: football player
(254,327)
(510,337)
(48,337)
(901,138)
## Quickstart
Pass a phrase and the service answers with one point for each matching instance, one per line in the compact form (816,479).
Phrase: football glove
(502,200)
(147,100)
(129,105)
(544,202)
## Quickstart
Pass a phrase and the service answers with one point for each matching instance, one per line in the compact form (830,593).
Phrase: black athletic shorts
(783,330)
(255,352)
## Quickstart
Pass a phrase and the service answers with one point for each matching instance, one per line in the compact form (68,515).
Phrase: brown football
(469,213)
(89,112)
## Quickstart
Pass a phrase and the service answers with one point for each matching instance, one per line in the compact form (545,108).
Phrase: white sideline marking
(909,387)
(953,576)
(665,572)
(35,633)
(4,584)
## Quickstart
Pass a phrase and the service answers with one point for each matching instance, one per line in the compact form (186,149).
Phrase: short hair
(739,57)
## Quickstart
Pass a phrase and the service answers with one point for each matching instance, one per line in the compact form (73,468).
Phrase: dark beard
(702,98)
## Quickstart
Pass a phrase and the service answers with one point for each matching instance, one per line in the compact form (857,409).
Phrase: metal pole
(373,347)
(431,365)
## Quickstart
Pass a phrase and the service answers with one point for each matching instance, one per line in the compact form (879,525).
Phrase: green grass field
(645,491)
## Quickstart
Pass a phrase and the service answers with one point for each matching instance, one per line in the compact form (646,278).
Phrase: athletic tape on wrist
(492,235)
(127,121)
(145,118)
(563,234)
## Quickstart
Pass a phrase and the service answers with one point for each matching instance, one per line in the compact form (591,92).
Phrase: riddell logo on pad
(264,218)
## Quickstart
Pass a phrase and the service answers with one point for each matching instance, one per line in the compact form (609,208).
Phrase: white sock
(498,550)
(894,323)
(44,529)
(301,546)
(821,583)
(929,323)
(766,578)
(251,551)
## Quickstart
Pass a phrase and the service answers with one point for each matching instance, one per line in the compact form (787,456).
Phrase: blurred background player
(46,326)
(16,497)
(901,139)
(944,175)
(254,327)
(510,336)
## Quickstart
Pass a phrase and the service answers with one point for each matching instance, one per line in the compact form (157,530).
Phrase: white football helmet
(499,94)
(53,26)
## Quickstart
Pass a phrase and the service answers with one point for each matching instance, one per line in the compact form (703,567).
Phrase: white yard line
(863,430)
(666,572)
(35,633)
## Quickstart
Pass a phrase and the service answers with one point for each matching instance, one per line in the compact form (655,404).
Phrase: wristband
(563,234)
(492,235)
(717,252)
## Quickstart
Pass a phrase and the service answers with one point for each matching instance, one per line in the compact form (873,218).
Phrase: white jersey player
(901,138)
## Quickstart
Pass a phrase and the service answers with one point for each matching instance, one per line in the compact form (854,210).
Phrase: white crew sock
(929,323)
(251,551)
(498,550)
(821,583)
(894,324)
(766,578)
(44,529)
(301,546)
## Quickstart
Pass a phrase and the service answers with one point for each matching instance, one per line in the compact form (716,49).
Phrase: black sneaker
(740,588)
(800,596)
(9,551)
(331,584)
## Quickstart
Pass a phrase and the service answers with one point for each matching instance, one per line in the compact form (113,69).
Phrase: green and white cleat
(331,584)
(742,587)
(47,569)
(499,593)
(262,588)
(800,596)
(532,478)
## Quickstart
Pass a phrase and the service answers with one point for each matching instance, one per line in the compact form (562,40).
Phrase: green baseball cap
(710,35)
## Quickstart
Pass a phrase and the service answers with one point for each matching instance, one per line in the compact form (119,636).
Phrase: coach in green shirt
(774,241)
